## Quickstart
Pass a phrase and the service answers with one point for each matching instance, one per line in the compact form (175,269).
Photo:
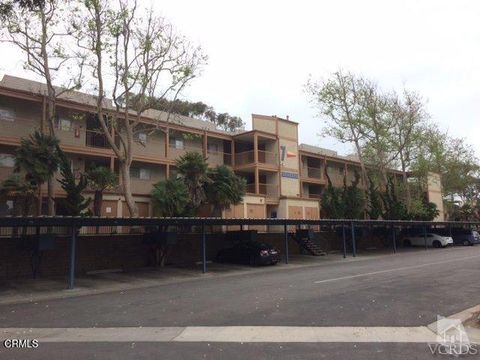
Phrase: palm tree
(224,189)
(37,156)
(100,178)
(74,204)
(170,198)
(192,169)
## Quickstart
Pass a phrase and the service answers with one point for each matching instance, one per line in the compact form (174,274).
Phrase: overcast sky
(262,52)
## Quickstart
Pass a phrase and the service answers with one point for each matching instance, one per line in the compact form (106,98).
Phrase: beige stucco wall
(289,186)
(264,124)
(434,194)
(27,117)
(285,203)
(287,129)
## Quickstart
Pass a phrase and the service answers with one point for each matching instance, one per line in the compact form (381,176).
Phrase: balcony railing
(267,157)
(269,190)
(248,157)
(215,156)
(315,196)
(96,139)
(312,172)
(245,157)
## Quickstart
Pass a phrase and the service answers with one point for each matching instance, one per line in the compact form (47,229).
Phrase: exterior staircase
(306,241)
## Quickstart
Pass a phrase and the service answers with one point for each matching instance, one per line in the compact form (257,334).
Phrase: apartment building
(284,178)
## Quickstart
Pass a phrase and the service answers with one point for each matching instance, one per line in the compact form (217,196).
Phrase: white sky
(262,52)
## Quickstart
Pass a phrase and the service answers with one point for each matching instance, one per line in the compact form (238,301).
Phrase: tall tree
(37,156)
(410,117)
(341,104)
(38,29)
(144,59)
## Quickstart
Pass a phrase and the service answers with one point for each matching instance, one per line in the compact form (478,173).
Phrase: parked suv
(464,237)
(433,240)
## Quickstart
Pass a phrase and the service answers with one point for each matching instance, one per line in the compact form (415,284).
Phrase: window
(64,124)
(177,143)
(140,173)
(7,160)
(212,148)
(7,114)
(141,137)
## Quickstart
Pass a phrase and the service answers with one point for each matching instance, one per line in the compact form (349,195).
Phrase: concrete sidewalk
(33,290)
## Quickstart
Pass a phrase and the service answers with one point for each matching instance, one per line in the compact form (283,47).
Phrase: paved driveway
(407,289)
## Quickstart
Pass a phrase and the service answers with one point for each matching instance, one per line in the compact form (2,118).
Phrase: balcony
(248,157)
(269,190)
(96,139)
(312,172)
(315,196)
(219,158)
(176,151)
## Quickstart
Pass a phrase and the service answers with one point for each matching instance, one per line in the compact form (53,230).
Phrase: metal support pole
(344,242)
(450,229)
(204,249)
(394,238)
(285,232)
(425,236)
(73,241)
(241,227)
(354,248)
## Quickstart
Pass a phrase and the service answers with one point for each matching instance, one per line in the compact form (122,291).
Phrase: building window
(64,124)
(140,173)
(7,114)
(7,160)
(141,137)
(177,143)
(212,148)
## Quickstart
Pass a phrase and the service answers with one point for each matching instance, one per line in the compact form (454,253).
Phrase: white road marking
(236,334)
(395,269)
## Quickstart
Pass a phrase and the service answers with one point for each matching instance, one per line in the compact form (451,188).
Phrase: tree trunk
(39,203)
(127,189)
(364,178)
(50,199)
(97,203)
(408,195)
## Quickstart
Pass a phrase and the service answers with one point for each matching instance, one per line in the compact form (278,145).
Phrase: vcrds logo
(452,339)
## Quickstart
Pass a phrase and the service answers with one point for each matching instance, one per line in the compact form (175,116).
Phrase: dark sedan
(249,252)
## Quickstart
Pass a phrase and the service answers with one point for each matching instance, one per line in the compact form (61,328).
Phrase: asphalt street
(408,289)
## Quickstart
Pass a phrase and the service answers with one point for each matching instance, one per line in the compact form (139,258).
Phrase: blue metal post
(425,236)
(394,238)
(285,233)
(71,282)
(354,248)
(204,249)
(344,242)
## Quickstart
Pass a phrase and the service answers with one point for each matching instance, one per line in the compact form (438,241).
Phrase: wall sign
(289,175)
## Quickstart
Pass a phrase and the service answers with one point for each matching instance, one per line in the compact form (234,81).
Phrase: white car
(433,240)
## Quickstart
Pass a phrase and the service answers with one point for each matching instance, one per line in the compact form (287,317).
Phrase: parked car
(250,253)
(433,240)
(464,237)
